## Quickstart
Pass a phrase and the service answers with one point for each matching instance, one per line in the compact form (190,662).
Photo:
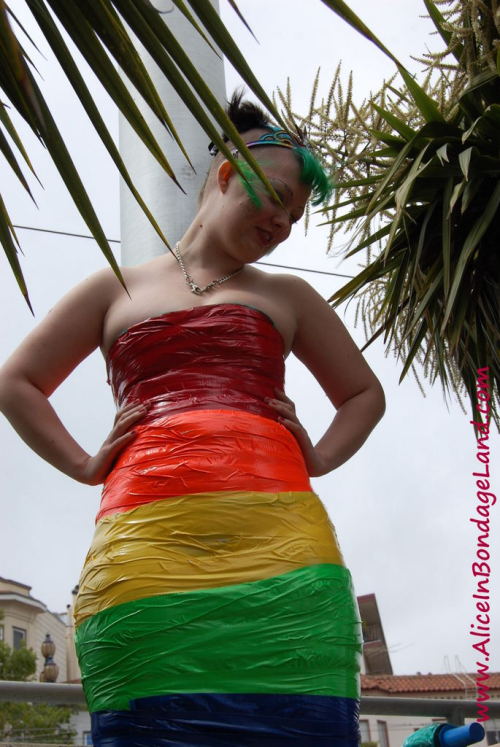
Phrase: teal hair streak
(314,175)
(248,183)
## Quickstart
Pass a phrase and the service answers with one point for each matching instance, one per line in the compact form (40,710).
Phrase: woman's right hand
(95,468)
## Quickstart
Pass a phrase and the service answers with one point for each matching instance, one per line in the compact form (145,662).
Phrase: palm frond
(99,32)
(418,176)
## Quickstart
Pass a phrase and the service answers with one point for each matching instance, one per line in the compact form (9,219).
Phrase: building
(26,621)
(377,678)
(391,731)
(376,659)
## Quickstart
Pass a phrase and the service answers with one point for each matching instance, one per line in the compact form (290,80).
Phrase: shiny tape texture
(200,450)
(238,720)
(201,541)
(214,607)
(298,632)
(218,355)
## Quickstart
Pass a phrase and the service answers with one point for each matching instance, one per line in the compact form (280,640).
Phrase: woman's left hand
(288,417)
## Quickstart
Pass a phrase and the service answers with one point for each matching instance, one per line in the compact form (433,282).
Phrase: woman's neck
(203,250)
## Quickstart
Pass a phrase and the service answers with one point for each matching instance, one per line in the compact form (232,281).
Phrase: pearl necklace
(189,280)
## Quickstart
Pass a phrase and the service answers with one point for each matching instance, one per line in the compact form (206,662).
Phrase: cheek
(286,233)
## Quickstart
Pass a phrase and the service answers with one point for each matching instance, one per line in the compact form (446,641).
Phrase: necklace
(189,280)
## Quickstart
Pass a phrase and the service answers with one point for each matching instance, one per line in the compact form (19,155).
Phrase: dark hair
(245,115)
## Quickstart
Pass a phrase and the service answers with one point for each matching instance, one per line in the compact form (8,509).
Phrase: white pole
(172,209)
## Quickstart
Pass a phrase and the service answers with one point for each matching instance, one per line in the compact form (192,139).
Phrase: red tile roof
(396,684)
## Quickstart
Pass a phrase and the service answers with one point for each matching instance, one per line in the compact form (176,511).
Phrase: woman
(214,605)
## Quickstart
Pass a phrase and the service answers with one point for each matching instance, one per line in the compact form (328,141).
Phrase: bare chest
(152,297)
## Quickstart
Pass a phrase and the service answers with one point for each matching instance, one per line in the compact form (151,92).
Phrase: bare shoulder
(69,332)
(323,343)
(283,288)
(297,297)
(292,286)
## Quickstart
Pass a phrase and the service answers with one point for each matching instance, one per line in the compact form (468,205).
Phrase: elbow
(374,401)
(6,390)
(11,389)
(380,400)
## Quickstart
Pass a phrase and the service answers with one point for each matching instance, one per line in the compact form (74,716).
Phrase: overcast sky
(401,506)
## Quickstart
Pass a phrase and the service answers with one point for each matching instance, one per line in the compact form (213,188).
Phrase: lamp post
(50,669)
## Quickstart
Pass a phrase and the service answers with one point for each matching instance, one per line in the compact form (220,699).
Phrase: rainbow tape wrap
(214,606)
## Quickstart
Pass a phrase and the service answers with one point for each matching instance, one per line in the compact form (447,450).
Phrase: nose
(281,218)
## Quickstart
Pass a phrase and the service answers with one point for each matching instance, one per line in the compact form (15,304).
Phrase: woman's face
(256,230)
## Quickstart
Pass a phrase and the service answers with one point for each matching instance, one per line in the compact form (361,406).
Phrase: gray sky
(401,506)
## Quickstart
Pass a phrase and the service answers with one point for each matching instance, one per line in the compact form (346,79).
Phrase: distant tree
(22,721)
(19,664)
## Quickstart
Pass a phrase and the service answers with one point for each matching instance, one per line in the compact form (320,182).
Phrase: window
(364,730)
(87,738)
(383,737)
(492,737)
(2,633)
(18,637)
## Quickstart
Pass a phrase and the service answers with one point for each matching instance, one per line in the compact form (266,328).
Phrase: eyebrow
(286,186)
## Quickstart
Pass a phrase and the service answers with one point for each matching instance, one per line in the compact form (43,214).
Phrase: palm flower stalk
(418,190)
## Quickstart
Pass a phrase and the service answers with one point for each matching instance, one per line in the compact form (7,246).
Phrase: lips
(266,237)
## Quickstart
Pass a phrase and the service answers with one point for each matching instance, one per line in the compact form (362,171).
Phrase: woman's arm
(67,335)
(323,344)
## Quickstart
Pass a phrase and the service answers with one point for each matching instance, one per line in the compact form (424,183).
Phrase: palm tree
(99,31)
(418,187)
(420,163)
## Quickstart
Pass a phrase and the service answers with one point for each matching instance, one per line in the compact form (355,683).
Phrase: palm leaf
(348,15)
(82,33)
(62,160)
(180,60)
(426,105)
(99,34)
(7,123)
(9,156)
(240,16)
(6,234)
(414,348)
(446,235)
(404,130)
(457,50)
(181,6)
(470,244)
(214,25)
(62,53)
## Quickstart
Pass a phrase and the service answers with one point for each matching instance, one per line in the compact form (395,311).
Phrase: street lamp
(50,669)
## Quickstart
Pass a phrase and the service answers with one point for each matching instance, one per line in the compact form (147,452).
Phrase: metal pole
(172,209)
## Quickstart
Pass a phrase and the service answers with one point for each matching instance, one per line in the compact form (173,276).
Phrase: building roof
(16,583)
(24,599)
(397,684)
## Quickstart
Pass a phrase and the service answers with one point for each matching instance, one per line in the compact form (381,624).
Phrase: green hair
(249,182)
(312,174)
(246,116)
